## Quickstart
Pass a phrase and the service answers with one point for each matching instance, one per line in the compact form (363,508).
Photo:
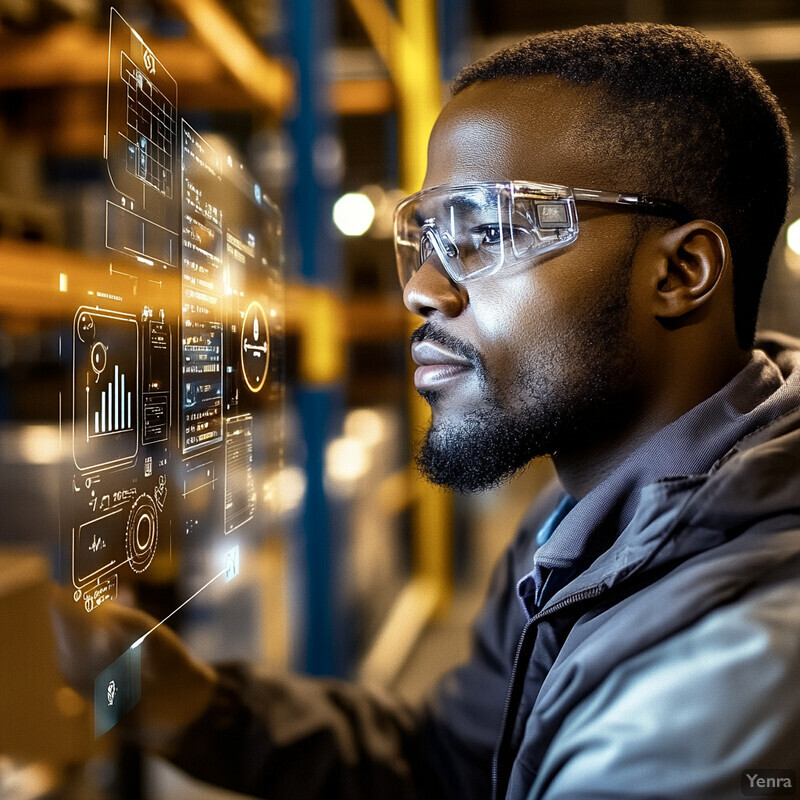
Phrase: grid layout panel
(151,131)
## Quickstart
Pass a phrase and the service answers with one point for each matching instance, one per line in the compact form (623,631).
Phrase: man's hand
(176,687)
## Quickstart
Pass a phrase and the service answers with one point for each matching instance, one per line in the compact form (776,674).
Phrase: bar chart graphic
(116,407)
(106,376)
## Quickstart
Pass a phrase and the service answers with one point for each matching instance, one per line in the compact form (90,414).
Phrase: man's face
(536,358)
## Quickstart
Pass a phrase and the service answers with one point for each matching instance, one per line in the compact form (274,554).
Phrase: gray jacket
(668,668)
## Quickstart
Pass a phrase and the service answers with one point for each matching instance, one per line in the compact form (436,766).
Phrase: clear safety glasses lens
(475,230)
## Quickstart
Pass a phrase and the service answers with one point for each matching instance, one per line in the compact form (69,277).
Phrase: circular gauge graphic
(255,347)
(99,357)
(142,533)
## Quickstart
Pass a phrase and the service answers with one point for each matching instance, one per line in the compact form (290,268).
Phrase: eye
(492,234)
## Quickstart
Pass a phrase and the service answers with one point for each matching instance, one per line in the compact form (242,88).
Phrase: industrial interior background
(367,572)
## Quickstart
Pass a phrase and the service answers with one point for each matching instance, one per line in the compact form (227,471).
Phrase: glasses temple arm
(642,203)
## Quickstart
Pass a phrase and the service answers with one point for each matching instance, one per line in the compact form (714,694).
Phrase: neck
(583,467)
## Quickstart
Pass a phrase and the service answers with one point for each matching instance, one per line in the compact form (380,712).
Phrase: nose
(430,289)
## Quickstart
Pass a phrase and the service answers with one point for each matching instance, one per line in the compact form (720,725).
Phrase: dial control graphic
(142,533)
(255,346)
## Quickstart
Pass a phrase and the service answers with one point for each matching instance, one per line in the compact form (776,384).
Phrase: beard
(561,399)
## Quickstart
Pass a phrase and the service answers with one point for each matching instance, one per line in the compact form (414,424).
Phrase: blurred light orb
(353,213)
(793,237)
(346,460)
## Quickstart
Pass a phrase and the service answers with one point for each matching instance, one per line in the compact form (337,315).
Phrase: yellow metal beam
(419,102)
(419,88)
(266,80)
(408,46)
(71,56)
(383,29)
(362,97)
(322,334)
(416,604)
(409,49)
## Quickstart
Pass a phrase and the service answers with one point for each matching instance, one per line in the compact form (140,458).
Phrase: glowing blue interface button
(117,690)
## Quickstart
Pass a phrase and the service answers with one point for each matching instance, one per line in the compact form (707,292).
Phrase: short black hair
(695,123)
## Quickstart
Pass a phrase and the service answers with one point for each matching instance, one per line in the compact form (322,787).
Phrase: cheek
(509,304)
(510,320)
(536,317)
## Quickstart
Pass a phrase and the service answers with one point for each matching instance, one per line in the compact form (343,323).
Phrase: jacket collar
(665,483)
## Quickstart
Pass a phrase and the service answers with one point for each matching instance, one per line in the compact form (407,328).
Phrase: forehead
(536,129)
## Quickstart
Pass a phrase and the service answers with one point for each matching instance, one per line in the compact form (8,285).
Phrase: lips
(436,365)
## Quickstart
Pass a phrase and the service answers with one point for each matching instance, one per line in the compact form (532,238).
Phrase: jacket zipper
(522,645)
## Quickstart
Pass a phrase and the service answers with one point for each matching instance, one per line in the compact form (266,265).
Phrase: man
(587,256)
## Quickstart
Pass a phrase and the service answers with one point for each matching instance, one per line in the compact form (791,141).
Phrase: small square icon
(552,215)
(117,690)
(232,563)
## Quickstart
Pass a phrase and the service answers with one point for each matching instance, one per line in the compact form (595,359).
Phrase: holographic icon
(150,62)
(232,563)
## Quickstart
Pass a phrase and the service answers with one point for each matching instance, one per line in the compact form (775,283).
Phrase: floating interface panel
(142,150)
(174,409)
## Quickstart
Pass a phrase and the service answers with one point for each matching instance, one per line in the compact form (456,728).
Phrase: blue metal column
(453,26)
(311,242)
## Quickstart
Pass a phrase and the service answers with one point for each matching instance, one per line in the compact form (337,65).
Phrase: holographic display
(174,358)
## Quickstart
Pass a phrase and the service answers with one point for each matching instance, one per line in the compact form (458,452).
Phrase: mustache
(431,333)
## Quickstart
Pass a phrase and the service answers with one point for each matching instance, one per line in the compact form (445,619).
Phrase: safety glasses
(478,229)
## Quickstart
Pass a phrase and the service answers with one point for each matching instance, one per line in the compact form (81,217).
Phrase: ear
(694,258)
